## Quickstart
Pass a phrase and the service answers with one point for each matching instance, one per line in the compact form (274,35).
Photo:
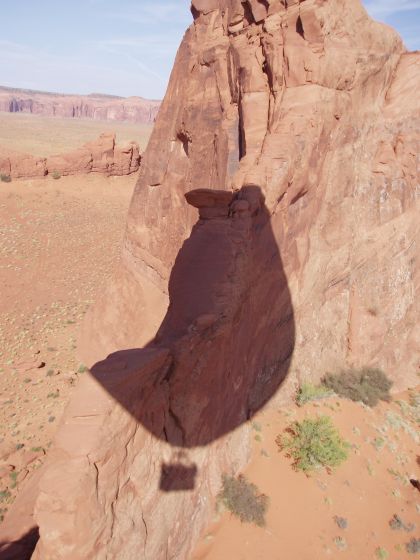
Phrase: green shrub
(367,385)
(4,496)
(381,553)
(243,499)
(308,392)
(5,178)
(313,443)
(56,174)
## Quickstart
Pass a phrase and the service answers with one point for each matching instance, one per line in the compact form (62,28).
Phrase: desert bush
(56,174)
(243,499)
(4,496)
(413,547)
(313,443)
(367,385)
(381,553)
(308,392)
(5,178)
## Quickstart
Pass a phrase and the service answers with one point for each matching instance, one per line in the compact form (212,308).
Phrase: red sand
(367,490)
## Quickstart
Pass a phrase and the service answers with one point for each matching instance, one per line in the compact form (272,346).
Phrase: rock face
(100,156)
(307,115)
(95,106)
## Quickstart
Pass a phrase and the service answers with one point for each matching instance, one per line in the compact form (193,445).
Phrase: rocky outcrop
(174,405)
(306,114)
(99,156)
(95,106)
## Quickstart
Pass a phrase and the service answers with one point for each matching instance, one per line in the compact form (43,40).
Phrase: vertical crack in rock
(147,534)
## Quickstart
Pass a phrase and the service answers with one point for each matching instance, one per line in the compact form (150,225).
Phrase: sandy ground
(59,242)
(45,136)
(366,490)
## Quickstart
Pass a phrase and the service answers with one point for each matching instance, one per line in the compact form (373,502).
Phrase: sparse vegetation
(381,553)
(341,522)
(378,443)
(56,174)
(243,499)
(256,426)
(4,496)
(3,512)
(367,385)
(313,443)
(340,543)
(308,392)
(13,479)
(413,547)
(397,524)
(5,178)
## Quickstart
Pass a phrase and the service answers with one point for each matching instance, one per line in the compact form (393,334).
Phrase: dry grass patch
(243,499)
(367,385)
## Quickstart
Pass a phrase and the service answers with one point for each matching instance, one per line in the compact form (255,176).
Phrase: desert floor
(366,491)
(59,242)
(45,136)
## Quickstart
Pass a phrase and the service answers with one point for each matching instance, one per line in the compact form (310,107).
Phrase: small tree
(313,443)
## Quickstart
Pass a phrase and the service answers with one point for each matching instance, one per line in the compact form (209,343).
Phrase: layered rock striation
(305,115)
(95,106)
(100,156)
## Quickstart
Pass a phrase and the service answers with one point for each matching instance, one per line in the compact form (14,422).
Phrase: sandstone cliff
(306,114)
(95,106)
(100,156)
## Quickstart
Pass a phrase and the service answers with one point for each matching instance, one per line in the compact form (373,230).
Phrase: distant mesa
(100,156)
(94,106)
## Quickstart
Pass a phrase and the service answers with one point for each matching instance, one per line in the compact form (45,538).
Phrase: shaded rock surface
(100,156)
(307,111)
(95,106)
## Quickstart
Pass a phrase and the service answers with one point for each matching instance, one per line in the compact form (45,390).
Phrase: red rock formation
(99,156)
(315,104)
(19,165)
(95,106)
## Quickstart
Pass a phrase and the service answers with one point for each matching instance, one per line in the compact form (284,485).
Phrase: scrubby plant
(312,443)
(5,178)
(56,174)
(243,499)
(4,496)
(368,385)
(397,524)
(413,547)
(308,392)
(381,553)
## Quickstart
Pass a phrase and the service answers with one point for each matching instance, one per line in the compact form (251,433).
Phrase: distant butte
(95,106)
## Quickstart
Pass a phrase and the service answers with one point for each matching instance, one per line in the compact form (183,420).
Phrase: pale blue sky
(123,47)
